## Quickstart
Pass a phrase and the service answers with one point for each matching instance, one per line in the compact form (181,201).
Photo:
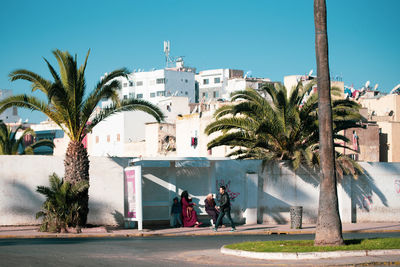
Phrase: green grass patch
(308,245)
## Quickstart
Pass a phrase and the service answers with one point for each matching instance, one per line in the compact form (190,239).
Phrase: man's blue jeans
(221,215)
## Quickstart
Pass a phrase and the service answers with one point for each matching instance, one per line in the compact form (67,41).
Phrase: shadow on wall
(273,209)
(29,202)
(280,176)
(361,190)
(356,188)
(123,162)
(119,218)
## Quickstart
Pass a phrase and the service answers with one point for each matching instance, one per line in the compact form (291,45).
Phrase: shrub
(61,207)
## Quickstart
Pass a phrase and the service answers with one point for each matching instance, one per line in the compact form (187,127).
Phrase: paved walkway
(209,256)
(257,229)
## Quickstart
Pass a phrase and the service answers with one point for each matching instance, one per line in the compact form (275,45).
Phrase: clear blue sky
(271,38)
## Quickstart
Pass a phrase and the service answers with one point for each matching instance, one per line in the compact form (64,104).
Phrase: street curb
(194,233)
(308,255)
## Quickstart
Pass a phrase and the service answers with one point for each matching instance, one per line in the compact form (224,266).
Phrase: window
(138,96)
(125,97)
(125,84)
(118,137)
(160,80)
(97,139)
(186,92)
(160,93)
(139,83)
(217,80)
(205,94)
(186,80)
(131,95)
(131,83)
(206,81)
(108,138)
(152,94)
(215,94)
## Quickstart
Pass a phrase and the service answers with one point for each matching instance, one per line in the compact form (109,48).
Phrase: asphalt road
(145,251)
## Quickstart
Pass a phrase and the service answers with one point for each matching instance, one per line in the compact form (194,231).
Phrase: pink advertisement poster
(130,194)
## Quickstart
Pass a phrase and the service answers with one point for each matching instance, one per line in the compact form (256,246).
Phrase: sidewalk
(257,229)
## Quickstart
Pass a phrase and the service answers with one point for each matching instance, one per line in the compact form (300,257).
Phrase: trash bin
(296,216)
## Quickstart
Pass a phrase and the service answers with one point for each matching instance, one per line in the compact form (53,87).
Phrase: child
(176,211)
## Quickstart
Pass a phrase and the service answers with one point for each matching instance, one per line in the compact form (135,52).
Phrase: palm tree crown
(68,105)
(270,124)
(71,107)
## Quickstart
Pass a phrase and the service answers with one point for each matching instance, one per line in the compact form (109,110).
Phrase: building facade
(157,85)
(385,111)
(10,115)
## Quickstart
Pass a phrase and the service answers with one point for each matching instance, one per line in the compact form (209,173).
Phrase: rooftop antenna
(376,86)
(311,72)
(367,84)
(167,49)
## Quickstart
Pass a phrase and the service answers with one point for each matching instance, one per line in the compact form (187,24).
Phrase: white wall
(193,125)
(262,195)
(19,201)
(131,127)
(174,106)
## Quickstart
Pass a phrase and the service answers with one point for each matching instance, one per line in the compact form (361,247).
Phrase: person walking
(224,208)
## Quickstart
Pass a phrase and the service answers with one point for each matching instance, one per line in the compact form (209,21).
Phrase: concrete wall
(259,194)
(20,175)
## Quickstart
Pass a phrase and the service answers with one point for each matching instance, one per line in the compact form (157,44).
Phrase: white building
(220,83)
(10,115)
(126,133)
(212,83)
(156,85)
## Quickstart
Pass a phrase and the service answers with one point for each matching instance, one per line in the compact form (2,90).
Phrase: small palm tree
(71,107)
(61,208)
(270,124)
(9,145)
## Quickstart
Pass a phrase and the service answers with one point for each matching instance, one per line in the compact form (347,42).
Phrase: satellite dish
(367,84)
(376,86)
(395,88)
(311,72)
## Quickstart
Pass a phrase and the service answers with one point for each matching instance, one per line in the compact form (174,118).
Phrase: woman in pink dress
(189,215)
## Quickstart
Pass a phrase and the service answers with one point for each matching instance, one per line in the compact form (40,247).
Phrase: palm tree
(271,125)
(71,107)
(61,207)
(329,225)
(9,145)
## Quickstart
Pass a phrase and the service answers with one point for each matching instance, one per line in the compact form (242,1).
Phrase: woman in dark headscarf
(189,215)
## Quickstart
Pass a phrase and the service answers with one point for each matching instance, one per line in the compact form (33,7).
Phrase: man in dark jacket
(225,208)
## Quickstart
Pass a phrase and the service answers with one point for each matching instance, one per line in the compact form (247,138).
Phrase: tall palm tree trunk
(76,165)
(329,226)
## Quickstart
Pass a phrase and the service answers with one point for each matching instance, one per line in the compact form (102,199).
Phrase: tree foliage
(10,145)
(68,103)
(271,124)
(61,207)
(72,108)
